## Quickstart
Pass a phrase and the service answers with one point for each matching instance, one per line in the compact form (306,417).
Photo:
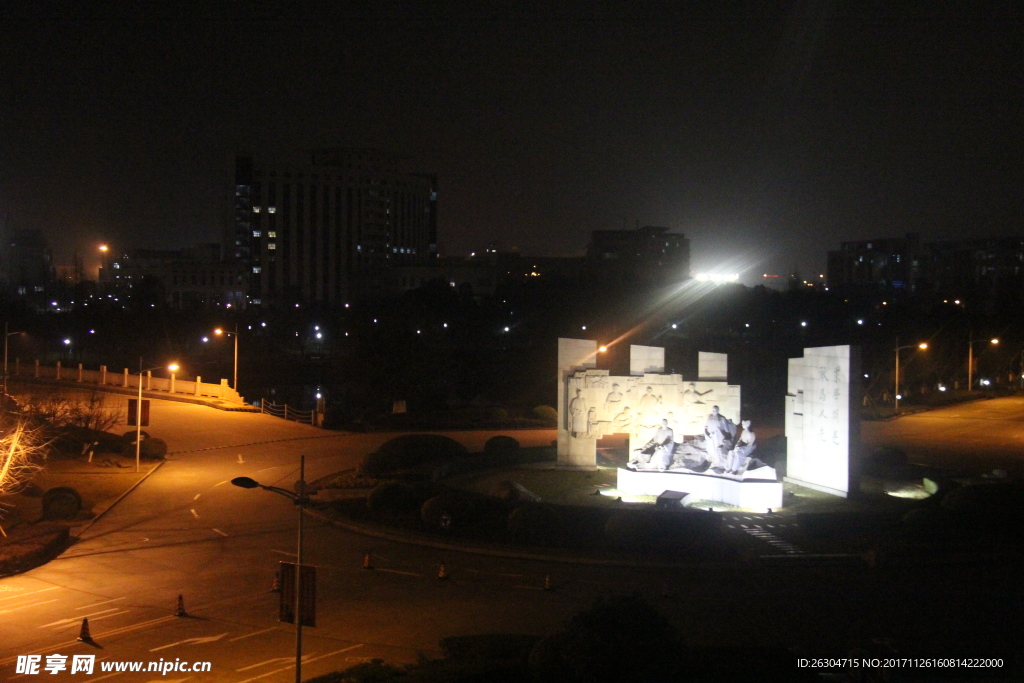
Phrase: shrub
(501,444)
(408,451)
(535,524)
(631,528)
(392,498)
(546,413)
(446,511)
(149,449)
(62,502)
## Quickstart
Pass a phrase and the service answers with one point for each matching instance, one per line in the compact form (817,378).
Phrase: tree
(19,459)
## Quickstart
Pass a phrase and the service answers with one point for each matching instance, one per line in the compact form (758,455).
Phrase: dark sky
(766,131)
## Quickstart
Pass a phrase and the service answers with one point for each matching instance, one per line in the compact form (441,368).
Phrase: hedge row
(30,547)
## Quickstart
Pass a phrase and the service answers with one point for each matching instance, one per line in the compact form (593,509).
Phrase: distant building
(647,255)
(986,272)
(330,229)
(182,278)
(881,266)
(26,266)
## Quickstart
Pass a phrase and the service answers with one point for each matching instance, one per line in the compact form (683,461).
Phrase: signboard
(133,410)
(307,607)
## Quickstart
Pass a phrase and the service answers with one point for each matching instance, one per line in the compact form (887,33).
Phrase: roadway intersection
(187,531)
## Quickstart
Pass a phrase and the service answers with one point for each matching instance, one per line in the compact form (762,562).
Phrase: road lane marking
(397,571)
(193,641)
(108,676)
(96,636)
(250,635)
(304,661)
(240,460)
(22,595)
(74,619)
(30,604)
(220,532)
(275,660)
(96,604)
(275,550)
(194,513)
(221,483)
(267,469)
(197,496)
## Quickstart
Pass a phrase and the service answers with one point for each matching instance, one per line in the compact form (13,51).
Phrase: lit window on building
(257,233)
(271,209)
(256,269)
(271,234)
(255,209)
(272,246)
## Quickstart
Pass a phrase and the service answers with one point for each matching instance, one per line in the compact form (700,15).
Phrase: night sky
(768,132)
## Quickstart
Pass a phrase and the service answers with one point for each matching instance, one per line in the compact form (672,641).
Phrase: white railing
(127,379)
(288,413)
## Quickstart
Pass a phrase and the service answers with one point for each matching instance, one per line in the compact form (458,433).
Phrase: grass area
(99,483)
(565,487)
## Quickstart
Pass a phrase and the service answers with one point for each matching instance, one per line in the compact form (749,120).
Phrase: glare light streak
(717,277)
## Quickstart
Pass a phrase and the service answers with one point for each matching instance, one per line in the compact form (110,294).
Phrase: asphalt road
(187,531)
(977,436)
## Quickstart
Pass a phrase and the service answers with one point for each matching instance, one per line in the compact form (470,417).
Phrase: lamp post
(7,336)
(220,331)
(970,358)
(301,500)
(173,367)
(899,348)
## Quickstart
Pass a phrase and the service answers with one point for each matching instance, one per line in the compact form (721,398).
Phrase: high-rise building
(331,229)
(647,255)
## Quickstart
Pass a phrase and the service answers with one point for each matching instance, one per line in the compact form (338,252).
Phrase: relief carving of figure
(578,415)
(718,435)
(612,400)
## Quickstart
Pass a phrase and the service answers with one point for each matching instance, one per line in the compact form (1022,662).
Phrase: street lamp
(301,500)
(899,348)
(173,367)
(970,358)
(220,331)
(7,336)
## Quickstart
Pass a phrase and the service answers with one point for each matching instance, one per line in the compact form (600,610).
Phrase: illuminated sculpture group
(688,435)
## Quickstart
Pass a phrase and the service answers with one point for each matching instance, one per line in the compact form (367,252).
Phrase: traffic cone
(276,586)
(83,635)
(441,573)
(367,564)
(180,611)
(547,582)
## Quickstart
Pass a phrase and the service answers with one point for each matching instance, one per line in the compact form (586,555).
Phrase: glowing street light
(219,331)
(970,357)
(173,367)
(923,346)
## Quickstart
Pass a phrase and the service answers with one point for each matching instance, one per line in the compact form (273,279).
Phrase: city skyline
(766,134)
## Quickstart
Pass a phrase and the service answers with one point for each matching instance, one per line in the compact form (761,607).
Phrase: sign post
(306,601)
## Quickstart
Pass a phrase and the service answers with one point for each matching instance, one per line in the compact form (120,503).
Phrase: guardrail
(284,411)
(126,379)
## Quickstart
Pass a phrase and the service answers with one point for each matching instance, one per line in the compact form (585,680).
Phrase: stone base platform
(756,494)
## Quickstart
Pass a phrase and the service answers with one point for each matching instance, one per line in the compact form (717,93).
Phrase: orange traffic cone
(276,586)
(83,635)
(441,573)
(367,564)
(547,582)
(180,611)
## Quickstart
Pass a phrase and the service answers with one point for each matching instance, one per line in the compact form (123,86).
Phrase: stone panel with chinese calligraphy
(821,423)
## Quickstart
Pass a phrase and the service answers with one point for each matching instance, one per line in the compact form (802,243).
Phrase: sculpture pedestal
(757,494)
(575,452)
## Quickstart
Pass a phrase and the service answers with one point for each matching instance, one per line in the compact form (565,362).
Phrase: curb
(79,532)
(415,539)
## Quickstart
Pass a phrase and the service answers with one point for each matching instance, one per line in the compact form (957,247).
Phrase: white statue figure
(718,432)
(592,421)
(739,458)
(578,414)
(657,452)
